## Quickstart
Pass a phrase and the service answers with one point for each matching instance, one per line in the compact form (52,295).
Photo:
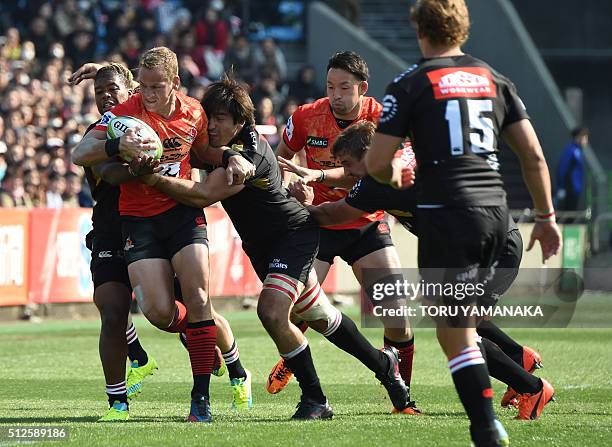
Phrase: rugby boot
(279,377)
(532,405)
(310,410)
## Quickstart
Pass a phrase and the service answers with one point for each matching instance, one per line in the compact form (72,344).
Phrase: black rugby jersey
(105,217)
(453,109)
(369,195)
(264,210)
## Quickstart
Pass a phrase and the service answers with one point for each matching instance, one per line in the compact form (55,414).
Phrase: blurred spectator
(270,58)
(264,115)
(12,47)
(240,58)
(268,87)
(304,88)
(570,171)
(55,189)
(13,193)
(290,106)
(71,193)
(130,47)
(211,31)
(41,36)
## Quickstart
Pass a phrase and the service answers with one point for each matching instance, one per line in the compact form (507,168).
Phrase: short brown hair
(442,22)
(227,95)
(355,140)
(160,57)
(351,62)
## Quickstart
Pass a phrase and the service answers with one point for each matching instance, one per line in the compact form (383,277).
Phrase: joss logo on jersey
(317,141)
(462,82)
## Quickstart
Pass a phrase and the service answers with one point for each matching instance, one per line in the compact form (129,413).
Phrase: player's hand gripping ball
(119,125)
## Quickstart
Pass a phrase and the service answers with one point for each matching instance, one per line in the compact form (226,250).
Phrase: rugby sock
(471,378)
(405,350)
(135,350)
(300,362)
(179,322)
(201,342)
(503,368)
(232,361)
(116,392)
(511,348)
(344,334)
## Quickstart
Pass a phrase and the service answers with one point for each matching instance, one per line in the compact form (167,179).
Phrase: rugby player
(112,290)
(455,107)
(227,354)
(161,237)
(368,196)
(281,250)
(364,243)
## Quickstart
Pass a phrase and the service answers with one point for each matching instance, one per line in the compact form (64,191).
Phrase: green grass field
(50,374)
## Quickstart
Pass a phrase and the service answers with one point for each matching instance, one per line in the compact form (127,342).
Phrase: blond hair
(160,57)
(442,22)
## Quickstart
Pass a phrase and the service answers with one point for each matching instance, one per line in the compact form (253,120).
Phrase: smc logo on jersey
(317,141)
(462,82)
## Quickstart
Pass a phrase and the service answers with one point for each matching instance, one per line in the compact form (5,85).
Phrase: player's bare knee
(319,325)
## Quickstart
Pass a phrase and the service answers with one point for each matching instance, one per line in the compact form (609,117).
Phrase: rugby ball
(120,124)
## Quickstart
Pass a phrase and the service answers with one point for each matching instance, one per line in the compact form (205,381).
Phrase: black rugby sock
(510,347)
(348,338)
(303,368)
(503,368)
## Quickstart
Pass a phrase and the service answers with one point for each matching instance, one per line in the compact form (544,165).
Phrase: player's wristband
(227,154)
(111,147)
(545,216)
(321,178)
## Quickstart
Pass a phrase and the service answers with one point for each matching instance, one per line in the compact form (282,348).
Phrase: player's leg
(187,246)
(113,302)
(314,307)
(141,363)
(382,265)
(240,378)
(112,296)
(273,308)
(440,247)
(515,372)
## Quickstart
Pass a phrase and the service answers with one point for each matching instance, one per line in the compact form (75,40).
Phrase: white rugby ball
(120,124)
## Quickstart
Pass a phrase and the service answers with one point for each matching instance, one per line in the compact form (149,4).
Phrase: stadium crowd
(42,118)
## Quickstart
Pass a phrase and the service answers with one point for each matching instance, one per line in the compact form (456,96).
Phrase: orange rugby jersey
(186,128)
(313,127)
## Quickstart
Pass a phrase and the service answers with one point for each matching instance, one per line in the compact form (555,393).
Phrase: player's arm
(94,148)
(391,131)
(330,177)
(334,213)
(523,140)
(85,71)
(237,168)
(379,159)
(286,153)
(196,194)
(326,214)
(116,171)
